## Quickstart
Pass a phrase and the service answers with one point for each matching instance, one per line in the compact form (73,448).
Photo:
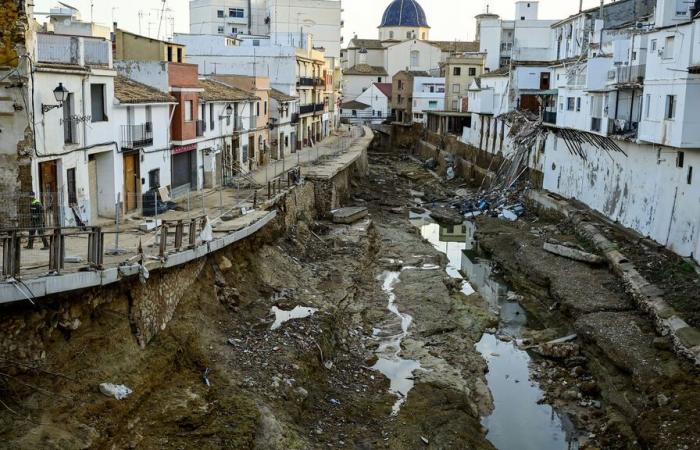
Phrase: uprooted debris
(447,216)
(572,253)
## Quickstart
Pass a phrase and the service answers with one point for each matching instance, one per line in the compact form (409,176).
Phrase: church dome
(404,13)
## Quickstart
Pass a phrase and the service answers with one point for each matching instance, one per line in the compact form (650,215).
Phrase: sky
(449,19)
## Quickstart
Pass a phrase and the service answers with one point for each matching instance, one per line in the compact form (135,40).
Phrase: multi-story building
(403,44)
(65,19)
(459,72)
(258,150)
(140,115)
(225,120)
(75,129)
(428,95)
(142,48)
(284,112)
(403,84)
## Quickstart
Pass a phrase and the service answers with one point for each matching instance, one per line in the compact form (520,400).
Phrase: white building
(371,107)
(75,140)
(428,95)
(404,44)
(283,20)
(65,19)
(141,119)
(283,108)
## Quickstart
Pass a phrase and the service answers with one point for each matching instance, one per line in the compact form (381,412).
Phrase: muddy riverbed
(390,333)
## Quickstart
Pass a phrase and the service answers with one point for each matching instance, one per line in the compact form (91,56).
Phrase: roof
(215,91)
(457,46)
(415,73)
(502,72)
(365,69)
(354,104)
(372,44)
(385,88)
(281,96)
(129,91)
(404,13)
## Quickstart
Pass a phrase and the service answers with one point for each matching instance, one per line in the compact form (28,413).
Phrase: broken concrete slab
(446,216)
(572,253)
(349,215)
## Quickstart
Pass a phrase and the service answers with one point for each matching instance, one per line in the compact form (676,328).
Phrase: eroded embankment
(218,376)
(634,392)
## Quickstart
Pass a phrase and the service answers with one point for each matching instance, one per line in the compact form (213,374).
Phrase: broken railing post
(11,248)
(163,240)
(57,251)
(95,247)
(193,233)
(179,231)
(269,190)
(255,199)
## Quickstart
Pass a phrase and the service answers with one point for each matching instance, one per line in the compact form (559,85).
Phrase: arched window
(415,58)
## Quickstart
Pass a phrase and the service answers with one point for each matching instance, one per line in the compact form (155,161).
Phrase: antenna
(140,17)
(92,8)
(160,18)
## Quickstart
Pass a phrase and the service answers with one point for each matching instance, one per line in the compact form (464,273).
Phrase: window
(423,36)
(670,106)
(415,58)
(634,56)
(189,105)
(220,30)
(456,88)
(286,141)
(179,55)
(354,113)
(570,102)
(265,108)
(97,102)
(690,175)
(72,191)
(220,13)
(379,80)
(154,179)
(234,30)
(204,117)
(647,103)
(170,54)
(400,84)
(149,118)
(69,131)
(236,12)
(652,47)
(432,104)
(408,35)
(457,71)
(455,105)
(256,42)
(682,7)
(472,71)
(578,104)
(668,48)
(257,109)
(680,159)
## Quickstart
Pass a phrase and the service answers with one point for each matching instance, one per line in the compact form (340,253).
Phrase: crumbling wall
(153,304)
(405,137)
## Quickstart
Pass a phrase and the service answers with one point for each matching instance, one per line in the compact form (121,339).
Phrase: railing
(618,127)
(319,108)
(320,81)
(74,50)
(305,81)
(201,128)
(137,136)
(596,124)
(306,109)
(631,74)
(549,117)
(295,118)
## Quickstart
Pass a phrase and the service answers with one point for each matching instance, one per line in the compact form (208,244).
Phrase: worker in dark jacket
(37,214)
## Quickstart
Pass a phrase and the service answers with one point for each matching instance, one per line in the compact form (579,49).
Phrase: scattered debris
(572,253)
(425,441)
(118,391)
(447,216)
(206,377)
(349,215)
(281,316)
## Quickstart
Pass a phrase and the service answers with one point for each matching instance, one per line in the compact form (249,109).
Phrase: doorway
(48,192)
(132,181)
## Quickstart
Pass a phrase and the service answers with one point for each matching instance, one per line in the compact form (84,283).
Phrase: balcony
(596,124)
(319,108)
(621,127)
(137,136)
(237,123)
(306,109)
(306,82)
(295,118)
(629,74)
(73,50)
(201,128)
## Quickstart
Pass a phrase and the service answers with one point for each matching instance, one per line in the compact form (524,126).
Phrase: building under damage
(610,110)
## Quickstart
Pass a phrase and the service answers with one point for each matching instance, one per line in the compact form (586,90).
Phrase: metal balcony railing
(306,109)
(295,118)
(137,136)
(319,108)
(305,81)
(631,74)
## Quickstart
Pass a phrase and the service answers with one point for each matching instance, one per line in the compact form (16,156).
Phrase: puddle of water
(517,422)
(399,371)
(282,316)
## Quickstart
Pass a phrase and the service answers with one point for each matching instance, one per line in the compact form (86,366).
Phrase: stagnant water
(518,421)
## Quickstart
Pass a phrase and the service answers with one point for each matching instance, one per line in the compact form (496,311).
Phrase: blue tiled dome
(404,13)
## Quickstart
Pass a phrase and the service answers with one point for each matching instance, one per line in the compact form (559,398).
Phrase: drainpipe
(250,17)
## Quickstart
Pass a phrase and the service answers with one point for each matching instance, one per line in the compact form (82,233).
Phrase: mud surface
(360,336)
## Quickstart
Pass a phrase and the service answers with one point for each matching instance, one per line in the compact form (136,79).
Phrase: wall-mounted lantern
(61,94)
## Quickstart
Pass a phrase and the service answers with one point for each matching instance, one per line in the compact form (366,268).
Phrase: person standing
(36,210)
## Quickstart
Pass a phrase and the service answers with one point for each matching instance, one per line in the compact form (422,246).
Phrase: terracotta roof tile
(215,91)
(128,91)
(366,69)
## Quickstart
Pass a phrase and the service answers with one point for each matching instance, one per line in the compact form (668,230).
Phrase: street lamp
(60,93)
(229,110)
